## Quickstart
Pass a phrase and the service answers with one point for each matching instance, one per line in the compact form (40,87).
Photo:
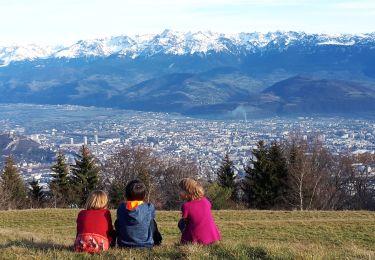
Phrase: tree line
(302,175)
(295,174)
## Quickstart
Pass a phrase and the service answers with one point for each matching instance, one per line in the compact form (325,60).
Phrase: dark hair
(135,190)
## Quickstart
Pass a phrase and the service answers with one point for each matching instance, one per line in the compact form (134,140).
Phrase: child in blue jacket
(135,224)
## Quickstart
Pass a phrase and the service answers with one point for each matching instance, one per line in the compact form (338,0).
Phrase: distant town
(204,141)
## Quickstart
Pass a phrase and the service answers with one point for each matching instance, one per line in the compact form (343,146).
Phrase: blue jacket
(134,228)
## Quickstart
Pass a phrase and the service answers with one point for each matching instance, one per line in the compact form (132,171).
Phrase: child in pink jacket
(197,224)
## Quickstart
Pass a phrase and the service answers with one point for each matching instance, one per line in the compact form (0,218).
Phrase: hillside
(49,233)
(23,148)
(302,95)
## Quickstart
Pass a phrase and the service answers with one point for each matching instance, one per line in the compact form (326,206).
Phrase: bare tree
(126,165)
(298,174)
(320,161)
(160,175)
(362,182)
(317,179)
(168,178)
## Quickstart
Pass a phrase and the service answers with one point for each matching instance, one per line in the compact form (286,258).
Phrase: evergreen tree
(219,196)
(36,194)
(256,179)
(226,177)
(60,185)
(12,185)
(116,193)
(265,184)
(85,175)
(278,171)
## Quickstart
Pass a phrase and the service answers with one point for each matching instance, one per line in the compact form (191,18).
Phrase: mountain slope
(181,91)
(301,95)
(23,148)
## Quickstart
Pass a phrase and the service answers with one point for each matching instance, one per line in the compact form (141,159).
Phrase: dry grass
(49,233)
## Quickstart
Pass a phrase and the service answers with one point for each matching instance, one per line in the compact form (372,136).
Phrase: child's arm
(157,237)
(117,227)
(182,223)
(111,232)
(109,220)
(78,223)
(156,234)
(184,211)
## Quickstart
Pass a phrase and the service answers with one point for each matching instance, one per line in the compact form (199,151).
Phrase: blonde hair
(97,199)
(192,188)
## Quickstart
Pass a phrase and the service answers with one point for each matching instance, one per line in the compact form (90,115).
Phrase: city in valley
(204,141)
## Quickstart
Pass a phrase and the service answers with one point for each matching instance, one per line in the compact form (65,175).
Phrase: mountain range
(201,73)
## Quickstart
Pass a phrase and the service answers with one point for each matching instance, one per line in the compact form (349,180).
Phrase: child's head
(191,189)
(97,199)
(135,190)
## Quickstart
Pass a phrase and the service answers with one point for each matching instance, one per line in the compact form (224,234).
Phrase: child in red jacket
(94,225)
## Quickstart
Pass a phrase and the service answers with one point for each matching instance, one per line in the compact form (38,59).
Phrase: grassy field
(49,234)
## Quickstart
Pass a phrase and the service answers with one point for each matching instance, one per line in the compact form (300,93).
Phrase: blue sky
(66,21)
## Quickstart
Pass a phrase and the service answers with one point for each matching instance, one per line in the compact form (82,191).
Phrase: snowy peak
(179,43)
(97,47)
(27,52)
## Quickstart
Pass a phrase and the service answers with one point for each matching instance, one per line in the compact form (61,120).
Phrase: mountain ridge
(178,43)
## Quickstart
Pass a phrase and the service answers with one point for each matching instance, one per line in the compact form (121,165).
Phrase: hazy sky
(66,21)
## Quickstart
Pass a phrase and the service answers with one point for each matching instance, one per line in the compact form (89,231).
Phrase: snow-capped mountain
(198,73)
(9,54)
(179,43)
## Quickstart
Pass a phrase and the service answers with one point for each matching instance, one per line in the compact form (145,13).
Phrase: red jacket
(96,221)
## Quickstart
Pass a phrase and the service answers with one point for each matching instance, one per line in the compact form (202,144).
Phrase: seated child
(197,224)
(94,225)
(135,224)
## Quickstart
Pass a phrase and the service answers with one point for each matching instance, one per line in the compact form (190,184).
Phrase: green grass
(49,234)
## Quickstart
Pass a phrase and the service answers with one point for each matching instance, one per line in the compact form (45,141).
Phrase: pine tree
(256,181)
(226,177)
(36,194)
(220,197)
(60,186)
(278,171)
(265,184)
(85,175)
(116,193)
(13,185)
